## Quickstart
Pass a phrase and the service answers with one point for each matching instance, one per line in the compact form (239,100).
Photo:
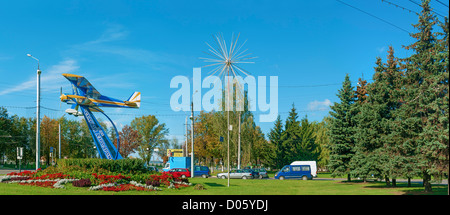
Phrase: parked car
(180,172)
(202,171)
(236,173)
(294,172)
(153,168)
(262,172)
(254,173)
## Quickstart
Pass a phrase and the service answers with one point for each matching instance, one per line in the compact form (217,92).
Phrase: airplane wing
(83,85)
(96,109)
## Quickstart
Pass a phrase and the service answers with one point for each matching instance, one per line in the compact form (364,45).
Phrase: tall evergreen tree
(290,137)
(422,120)
(275,140)
(341,130)
(372,149)
(307,148)
(361,91)
(363,163)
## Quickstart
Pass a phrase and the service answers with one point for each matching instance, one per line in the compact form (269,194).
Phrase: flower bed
(105,182)
(107,179)
(39,183)
(82,183)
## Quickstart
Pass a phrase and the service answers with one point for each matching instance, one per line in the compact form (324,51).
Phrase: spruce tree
(422,121)
(373,154)
(341,130)
(361,91)
(307,148)
(362,162)
(290,138)
(275,139)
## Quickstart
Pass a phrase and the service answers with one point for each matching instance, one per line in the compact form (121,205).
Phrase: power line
(396,5)
(430,8)
(376,17)
(442,3)
(159,115)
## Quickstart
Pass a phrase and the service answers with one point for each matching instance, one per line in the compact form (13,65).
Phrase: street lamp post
(38,120)
(59,133)
(192,135)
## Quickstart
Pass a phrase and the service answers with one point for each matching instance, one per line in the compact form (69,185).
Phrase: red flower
(106,179)
(40,184)
(52,176)
(123,187)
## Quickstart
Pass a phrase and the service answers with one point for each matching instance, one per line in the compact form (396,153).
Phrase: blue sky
(127,46)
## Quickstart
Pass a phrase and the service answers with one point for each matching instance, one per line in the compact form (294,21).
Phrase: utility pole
(239,142)
(186,143)
(59,147)
(192,139)
(38,120)
(228,129)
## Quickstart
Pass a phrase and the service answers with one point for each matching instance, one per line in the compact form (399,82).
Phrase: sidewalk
(6,171)
(442,182)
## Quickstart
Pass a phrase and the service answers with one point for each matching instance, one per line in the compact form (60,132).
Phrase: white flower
(59,182)
(150,187)
(101,186)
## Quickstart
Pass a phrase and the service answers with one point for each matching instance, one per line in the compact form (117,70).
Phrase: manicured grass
(216,186)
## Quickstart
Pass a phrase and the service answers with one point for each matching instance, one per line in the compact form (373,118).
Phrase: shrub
(124,166)
(199,187)
(82,183)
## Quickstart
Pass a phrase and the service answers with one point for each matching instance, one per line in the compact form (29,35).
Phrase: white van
(312,164)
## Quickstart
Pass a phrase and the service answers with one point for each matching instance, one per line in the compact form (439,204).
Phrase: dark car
(262,172)
(152,168)
(253,172)
(202,171)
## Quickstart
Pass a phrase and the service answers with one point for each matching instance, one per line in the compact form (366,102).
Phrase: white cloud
(318,105)
(105,44)
(51,79)
(114,32)
(381,49)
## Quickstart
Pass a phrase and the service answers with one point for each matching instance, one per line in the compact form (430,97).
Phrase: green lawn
(216,186)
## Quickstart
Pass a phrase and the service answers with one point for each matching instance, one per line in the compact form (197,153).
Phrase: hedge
(124,166)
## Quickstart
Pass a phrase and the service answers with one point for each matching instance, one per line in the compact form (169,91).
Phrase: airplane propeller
(60,95)
(74,109)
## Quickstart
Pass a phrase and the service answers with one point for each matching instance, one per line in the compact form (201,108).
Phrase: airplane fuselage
(101,101)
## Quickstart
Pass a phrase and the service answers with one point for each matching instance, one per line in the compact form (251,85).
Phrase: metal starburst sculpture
(227,60)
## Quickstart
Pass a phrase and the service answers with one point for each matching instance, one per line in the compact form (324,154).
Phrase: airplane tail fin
(135,98)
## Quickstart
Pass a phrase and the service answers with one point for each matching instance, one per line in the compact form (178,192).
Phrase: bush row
(124,166)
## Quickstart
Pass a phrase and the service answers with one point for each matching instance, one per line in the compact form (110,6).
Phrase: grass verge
(216,186)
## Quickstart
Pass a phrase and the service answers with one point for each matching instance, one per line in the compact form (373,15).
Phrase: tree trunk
(409,182)
(348,178)
(394,182)
(426,182)
(388,183)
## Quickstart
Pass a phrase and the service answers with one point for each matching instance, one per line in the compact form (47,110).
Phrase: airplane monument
(86,98)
